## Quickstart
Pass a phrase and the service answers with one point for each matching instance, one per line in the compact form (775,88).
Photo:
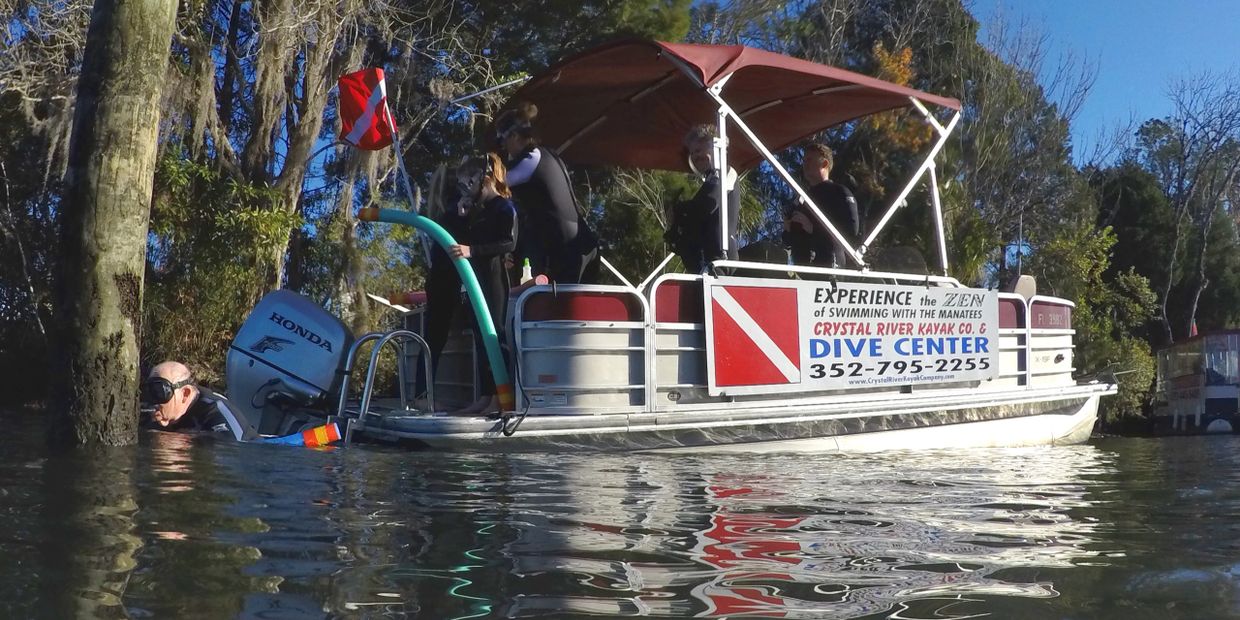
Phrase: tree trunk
(231,68)
(111,170)
(268,97)
(295,94)
(1203,281)
(1165,295)
(353,260)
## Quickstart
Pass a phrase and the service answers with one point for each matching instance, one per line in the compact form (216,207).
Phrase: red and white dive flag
(365,121)
(755,335)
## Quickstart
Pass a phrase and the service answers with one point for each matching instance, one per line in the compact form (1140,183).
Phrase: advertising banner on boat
(778,336)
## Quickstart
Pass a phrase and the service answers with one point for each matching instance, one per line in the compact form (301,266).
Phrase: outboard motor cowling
(285,359)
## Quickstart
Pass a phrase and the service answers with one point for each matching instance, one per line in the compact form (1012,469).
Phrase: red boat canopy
(630,103)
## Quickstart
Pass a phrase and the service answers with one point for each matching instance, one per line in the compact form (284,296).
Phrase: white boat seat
(1024,285)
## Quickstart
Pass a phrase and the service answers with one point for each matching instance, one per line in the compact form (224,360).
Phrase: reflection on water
(809,537)
(194,528)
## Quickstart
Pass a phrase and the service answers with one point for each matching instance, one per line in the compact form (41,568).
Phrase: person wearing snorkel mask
(490,234)
(178,404)
(693,226)
(555,236)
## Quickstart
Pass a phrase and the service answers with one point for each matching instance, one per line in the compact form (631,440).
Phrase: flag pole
(368,104)
(423,240)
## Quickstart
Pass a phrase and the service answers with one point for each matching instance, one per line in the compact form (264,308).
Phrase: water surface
(181,527)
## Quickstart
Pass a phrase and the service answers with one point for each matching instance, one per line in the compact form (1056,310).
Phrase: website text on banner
(777,336)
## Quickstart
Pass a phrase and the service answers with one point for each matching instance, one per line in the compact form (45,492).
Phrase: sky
(1138,47)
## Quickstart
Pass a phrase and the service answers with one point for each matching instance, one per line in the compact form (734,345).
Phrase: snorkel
(692,167)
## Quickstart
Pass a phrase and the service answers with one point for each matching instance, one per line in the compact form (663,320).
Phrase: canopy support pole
(721,165)
(657,270)
(615,272)
(938,218)
(944,133)
(414,207)
(726,110)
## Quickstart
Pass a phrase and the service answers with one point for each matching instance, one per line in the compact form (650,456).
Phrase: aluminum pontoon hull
(969,418)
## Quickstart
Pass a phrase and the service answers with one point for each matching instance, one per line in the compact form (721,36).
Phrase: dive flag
(754,339)
(365,121)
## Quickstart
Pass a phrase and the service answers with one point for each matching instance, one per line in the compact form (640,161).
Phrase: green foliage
(393,258)
(1109,310)
(631,217)
(208,237)
(971,246)
(632,209)
(1132,203)
(1220,302)
(666,20)
(546,31)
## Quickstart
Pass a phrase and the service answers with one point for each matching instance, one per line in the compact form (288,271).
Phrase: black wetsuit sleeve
(235,421)
(201,416)
(456,225)
(495,231)
(852,223)
(216,422)
(707,203)
(214,413)
(562,205)
(732,252)
(838,204)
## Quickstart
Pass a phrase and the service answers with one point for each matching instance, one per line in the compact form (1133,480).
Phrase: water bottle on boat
(527,273)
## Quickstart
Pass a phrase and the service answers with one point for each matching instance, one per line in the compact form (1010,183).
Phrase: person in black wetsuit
(806,238)
(180,405)
(693,230)
(491,234)
(555,237)
(443,284)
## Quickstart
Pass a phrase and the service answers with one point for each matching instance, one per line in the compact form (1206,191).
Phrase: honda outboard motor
(285,362)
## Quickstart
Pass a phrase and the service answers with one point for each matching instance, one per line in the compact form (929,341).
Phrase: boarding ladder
(400,338)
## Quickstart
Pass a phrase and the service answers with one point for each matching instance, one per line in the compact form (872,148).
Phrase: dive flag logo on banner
(755,335)
(365,121)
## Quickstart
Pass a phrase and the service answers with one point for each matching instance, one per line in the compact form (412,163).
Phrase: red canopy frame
(630,103)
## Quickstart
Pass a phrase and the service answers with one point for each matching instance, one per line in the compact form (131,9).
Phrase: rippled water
(196,528)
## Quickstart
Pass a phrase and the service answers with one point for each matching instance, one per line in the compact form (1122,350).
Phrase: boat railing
(676,362)
(399,337)
(1014,337)
(569,340)
(1051,346)
(862,274)
(606,349)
